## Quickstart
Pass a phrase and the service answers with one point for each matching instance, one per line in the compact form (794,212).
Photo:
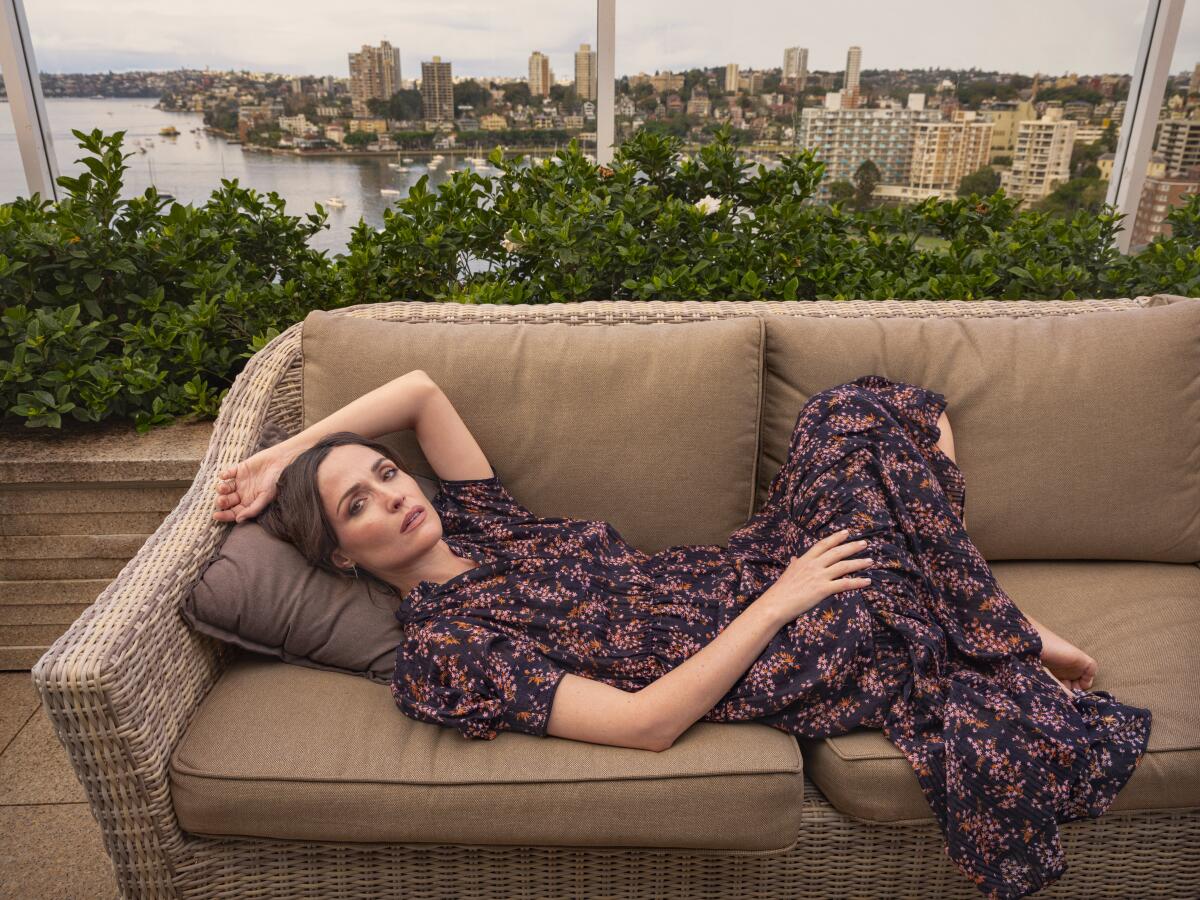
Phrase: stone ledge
(105,452)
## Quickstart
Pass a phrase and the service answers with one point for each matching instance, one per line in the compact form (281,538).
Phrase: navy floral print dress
(933,652)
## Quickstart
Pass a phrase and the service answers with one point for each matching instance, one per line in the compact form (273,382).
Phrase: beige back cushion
(1078,435)
(651,427)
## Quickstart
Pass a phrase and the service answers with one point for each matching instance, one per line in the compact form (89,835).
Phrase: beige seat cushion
(281,751)
(1079,435)
(1141,622)
(651,427)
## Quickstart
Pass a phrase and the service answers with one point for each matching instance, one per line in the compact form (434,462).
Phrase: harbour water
(190,167)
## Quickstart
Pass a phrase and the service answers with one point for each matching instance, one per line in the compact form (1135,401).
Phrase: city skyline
(1019,36)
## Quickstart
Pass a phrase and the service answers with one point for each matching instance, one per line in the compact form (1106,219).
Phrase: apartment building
(1006,117)
(944,152)
(437,91)
(374,75)
(539,74)
(845,138)
(1159,196)
(1179,143)
(585,72)
(795,67)
(1041,158)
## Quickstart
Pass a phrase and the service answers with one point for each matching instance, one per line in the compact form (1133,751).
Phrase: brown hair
(296,514)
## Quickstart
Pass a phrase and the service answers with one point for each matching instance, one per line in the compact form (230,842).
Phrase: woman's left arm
(394,406)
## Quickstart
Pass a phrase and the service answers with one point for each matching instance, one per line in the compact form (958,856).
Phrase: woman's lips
(416,517)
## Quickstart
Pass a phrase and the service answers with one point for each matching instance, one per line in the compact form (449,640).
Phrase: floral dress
(933,652)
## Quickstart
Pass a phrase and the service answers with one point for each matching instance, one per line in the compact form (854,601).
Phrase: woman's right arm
(654,717)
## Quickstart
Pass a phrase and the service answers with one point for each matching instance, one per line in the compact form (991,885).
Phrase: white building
(845,138)
(795,66)
(731,78)
(1041,159)
(296,125)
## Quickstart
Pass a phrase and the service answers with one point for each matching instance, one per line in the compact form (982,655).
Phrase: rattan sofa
(212,772)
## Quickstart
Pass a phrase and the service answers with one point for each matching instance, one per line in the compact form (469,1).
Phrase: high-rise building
(1194,86)
(1179,141)
(1006,116)
(374,74)
(1041,158)
(731,78)
(539,74)
(795,67)
(1159,195)
(850,90)
(845,138)
(585,72)
(944,152)
(437,91)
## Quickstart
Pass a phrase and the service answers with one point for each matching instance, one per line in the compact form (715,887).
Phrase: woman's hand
(811,578)
(1066,688)
(246,488)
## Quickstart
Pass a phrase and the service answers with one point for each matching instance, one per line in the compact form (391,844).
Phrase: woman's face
(367,497)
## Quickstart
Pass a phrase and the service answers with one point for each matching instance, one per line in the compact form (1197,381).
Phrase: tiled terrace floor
(50,845)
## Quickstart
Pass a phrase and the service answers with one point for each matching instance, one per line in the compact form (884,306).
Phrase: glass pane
(12,175)
(910,86)
(263,93)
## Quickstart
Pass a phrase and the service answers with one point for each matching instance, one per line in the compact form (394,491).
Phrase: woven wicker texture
(122,683)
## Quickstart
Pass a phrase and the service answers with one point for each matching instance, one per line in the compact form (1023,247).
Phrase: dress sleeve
(461,674)
(472,505)
(918,410)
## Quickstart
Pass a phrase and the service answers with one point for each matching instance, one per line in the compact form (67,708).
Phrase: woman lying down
(853,598)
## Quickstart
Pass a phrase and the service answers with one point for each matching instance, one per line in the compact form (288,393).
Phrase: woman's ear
(340,559)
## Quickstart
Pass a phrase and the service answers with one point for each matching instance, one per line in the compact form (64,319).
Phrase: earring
(355,570)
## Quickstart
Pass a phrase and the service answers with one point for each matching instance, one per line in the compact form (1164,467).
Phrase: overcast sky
(314,36)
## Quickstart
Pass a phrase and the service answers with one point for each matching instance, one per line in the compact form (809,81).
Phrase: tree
(471,93)
(1108,139)
(983,182)
(1077,194)
(840,191)
(866,177)
(517,93)
(360,138)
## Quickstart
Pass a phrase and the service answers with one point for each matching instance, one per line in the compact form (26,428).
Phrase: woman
(552,625)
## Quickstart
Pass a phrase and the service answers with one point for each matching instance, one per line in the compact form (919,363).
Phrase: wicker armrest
(122,683)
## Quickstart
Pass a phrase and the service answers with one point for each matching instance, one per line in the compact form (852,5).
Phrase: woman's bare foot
(1068,663)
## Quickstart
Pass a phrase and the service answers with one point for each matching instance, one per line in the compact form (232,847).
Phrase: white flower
(707,204)
(510,246)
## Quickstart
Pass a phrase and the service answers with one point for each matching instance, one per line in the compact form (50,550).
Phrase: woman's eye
(386,473)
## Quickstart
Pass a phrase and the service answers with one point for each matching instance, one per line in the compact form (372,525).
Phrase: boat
(169,131)
(389,192)
(335,202)
(233,141)
(407,159)
(394,165)
(476,161)
(437,157)
(450,171)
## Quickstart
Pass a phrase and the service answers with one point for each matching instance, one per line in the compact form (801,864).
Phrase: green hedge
(145,309)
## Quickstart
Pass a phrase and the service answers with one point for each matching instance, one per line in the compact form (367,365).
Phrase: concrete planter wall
(75,506)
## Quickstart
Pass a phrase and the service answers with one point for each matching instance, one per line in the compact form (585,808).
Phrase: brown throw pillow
(257,592)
